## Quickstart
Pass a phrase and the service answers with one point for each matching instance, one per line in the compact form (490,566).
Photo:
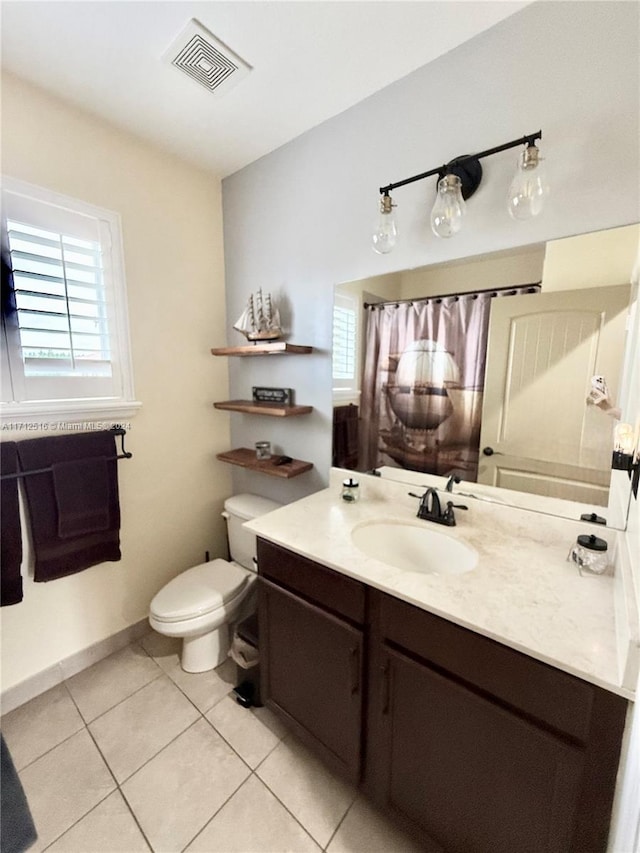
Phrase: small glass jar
(591,555)
(350,490)
(263,450)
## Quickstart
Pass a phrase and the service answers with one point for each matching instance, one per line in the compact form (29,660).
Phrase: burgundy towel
(11,539)
(345,436)
(82,496)
(84,542)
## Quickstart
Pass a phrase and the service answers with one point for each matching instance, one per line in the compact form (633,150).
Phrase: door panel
(543,351)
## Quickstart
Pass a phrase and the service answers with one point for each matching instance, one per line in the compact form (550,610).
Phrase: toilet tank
(238,509)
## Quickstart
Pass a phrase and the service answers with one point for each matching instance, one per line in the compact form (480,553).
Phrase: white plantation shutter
(344,340)
(346,363)
(67,340)
(344,343)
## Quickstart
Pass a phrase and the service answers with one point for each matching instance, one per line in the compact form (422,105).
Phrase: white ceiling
(310,60)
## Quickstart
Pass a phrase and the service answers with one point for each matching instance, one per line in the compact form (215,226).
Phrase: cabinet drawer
(316,583)
(555,698)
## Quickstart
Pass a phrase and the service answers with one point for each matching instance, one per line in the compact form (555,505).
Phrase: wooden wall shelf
(250,407)
(276,348)
(246,458)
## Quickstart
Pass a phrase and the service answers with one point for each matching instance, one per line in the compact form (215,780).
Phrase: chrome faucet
(430,508)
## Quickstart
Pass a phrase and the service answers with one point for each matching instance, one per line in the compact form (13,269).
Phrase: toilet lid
(199,591)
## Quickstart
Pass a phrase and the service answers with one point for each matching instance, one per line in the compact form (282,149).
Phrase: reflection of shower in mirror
(569,267)
(419,396)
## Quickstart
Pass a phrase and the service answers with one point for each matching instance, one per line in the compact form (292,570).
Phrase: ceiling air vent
(206,59)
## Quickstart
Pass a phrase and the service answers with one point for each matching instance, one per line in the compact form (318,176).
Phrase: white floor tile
(138,728)
(64,785)
(39,725)
(177,792)
(108,828)
(245,729)
(253,821)
(108,682)
(316,797)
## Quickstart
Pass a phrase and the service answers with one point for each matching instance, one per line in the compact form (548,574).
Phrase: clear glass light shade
(385,230)
(529,188)
(449,209)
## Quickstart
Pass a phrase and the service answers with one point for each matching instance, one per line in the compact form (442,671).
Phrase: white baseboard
(48,678)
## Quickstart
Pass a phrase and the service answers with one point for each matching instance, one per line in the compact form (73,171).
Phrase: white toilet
(200,603)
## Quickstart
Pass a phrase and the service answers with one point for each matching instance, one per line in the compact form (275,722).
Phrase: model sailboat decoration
(260,320)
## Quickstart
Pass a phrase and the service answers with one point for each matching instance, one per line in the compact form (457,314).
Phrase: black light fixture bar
(442,170)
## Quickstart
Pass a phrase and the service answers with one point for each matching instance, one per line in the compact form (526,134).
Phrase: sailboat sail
(259,321)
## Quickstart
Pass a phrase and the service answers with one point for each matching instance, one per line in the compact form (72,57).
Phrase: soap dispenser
(350,490)
(591,555)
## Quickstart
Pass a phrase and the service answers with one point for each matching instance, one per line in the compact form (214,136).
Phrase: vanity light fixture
(457,181)
(447,213)
(385,231)
(529,187)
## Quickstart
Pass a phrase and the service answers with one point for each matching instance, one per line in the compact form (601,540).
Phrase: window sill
(345,395)
(60,414)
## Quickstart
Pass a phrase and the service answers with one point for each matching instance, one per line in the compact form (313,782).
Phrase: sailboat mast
(260,318)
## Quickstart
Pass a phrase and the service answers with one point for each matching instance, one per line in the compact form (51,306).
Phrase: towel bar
(117,431)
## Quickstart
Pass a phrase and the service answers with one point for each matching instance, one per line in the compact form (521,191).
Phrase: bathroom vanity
(455,713)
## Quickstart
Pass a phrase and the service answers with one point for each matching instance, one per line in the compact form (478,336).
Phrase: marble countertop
(522,593)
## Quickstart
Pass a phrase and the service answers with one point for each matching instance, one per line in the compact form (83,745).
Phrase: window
(345,334)
(65,347)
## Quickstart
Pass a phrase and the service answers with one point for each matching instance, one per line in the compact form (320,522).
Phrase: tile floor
(134,754)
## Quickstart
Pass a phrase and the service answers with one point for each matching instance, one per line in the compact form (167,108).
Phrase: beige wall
(599,259)
(500,269)
(171,492)
(385,287)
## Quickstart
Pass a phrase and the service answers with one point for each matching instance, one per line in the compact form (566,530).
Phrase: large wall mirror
(504,370)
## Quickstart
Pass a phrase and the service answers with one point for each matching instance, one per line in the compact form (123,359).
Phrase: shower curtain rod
(438,298)
(117,432)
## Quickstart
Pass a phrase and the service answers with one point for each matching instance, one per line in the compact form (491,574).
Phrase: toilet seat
(199,591)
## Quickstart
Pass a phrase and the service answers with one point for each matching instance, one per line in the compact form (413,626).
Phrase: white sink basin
(414,548)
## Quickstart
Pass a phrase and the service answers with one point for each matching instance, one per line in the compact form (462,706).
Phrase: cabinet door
(311,664)
(476,777)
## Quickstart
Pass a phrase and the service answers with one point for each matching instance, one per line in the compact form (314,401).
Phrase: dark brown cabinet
(462,778)
(479,748)
(312,667)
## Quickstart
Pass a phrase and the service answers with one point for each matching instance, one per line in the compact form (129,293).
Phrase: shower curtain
(423,382)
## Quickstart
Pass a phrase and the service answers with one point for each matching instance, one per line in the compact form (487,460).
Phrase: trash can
(244,651)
